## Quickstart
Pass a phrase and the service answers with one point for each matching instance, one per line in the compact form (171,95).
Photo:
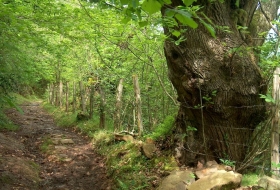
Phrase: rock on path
(68,163)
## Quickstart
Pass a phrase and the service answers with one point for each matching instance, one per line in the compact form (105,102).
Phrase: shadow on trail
(48,157)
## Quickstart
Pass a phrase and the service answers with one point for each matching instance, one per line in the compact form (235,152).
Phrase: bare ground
(41,155)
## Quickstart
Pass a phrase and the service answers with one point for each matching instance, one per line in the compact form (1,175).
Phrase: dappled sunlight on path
(54,158)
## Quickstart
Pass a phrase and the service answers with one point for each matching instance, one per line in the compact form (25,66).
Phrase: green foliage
(165,163)
(190,128)
(249,179)
(268,98)
(45,146)
(102,138)
(163,129)
(127,165)
(151,6)
(228,162)
(9,101)
(6,124)
(188,2)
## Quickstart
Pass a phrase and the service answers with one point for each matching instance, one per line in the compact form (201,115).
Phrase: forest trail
(41,155)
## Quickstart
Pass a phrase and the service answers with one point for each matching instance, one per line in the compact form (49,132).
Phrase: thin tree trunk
(138,104)
(50,93)
(117,118)
(102,108)
(60,93)
(91,101)
(57,94)
(67,96)
(275,126)
(149,109)
(53,94)
(82,92)
(74,97)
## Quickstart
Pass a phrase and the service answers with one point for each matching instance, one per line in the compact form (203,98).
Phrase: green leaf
(184,19)
(209,28)
(124,2)
(143,23)
(188,2)
(134,3)
(237,3)
(12,104)
(125,20)
(151,6)
(268,98)
(176,33)
(138,13)
(169,12)
(168,2)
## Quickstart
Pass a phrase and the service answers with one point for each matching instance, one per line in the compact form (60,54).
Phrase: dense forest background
(111,66)
(50,49)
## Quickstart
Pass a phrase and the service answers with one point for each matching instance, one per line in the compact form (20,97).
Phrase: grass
(163,129)
(249,179)
(127,165)
(45,146)
(6,124)
(125,162)
(10,101)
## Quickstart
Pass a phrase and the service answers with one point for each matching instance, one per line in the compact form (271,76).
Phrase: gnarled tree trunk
(218,81)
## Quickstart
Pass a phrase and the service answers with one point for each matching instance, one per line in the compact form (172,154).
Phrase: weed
(228,162)
(249,179)
(45,146)
(122,185)
(34,165)
(6,124)
(6,179)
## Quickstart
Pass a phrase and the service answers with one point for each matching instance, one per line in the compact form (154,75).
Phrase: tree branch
(269,21)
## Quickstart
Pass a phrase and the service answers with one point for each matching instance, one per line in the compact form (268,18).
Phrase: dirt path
(42,156)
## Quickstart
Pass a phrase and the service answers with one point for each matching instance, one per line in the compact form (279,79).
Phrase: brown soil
(41,155)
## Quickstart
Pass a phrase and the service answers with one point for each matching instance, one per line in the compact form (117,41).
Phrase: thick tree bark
(218,82)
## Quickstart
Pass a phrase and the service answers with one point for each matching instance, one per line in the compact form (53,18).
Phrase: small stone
(148,149)
(55,141)
(60,147)
(67,141)
(67,160)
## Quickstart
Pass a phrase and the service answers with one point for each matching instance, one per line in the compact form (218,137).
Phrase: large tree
(218,79)
(213,64)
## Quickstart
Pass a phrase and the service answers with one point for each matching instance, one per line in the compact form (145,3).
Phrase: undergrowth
(125,161)
(162,130)
(249,179)
(45,146)
(11,101)
(6,124)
